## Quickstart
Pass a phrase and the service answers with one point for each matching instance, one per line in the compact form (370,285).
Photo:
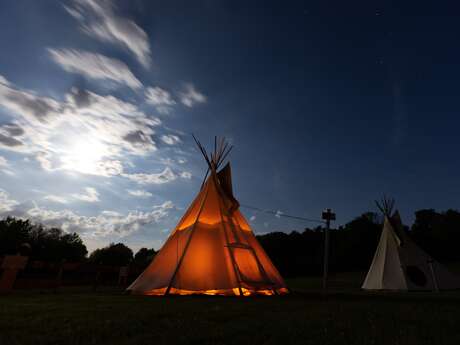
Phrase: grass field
(344,315)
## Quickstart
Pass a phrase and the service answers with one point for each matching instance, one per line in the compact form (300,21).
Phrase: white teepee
(399,264)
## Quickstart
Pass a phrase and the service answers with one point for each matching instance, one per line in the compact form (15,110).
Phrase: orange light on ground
(230,292)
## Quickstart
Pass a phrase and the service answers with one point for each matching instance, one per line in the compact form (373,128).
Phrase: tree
(296,253)
(114,254)
(438,233)
(352,247)
(13,233)
(144,256)
(48,244)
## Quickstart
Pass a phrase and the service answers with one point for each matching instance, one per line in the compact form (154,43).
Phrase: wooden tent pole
(433,275)
(259,264)
(203,151)
(225,155)
(215,148)
(204,179)
(222,149)
(186,245)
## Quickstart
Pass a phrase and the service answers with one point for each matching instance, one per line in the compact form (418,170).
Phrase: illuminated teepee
(212,250)
(399,264)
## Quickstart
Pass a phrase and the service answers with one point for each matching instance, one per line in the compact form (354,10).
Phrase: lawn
(344,315)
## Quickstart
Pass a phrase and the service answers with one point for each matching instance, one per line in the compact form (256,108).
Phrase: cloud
(186,174)
(4,166)
(12,129)
(90,195)
(139,193)
(170,139)
(44,159)
(8,172)
(253,218)
(98,19)
(94,66)
(56,198)
(190,96)
(36,109)
(7,204)
(3,162)
(140,140)
(80,98)
(167,160)
(160,99)
(106,223)
(9,141)
(108,168)
(278,214)
(3,80)
(167,175)
(85,132)
(74,13)
(111,213)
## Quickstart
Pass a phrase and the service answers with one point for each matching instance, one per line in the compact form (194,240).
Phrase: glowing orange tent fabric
(212,250)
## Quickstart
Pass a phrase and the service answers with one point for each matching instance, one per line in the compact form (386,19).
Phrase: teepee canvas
(212,250)
(399,264)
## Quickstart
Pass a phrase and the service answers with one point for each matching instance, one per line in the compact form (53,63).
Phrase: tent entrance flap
(250,270)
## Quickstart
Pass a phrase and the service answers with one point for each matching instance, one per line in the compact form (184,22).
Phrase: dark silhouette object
(123,276)
(11,265)
(438,233)
(25,249)
(59,276)
(40,243)
(97,278)
(299,254)
(327,215)
(294,254)
(144,257)
(416,276)
(114,255)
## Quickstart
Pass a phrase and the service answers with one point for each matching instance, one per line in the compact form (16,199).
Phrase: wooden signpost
(327,215)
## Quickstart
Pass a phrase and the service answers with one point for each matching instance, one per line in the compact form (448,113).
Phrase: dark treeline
(39,242)
(352,246)
(295,254)
(120,255)
(54,245)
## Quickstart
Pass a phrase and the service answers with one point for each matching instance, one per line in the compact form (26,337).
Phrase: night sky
(327,104)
